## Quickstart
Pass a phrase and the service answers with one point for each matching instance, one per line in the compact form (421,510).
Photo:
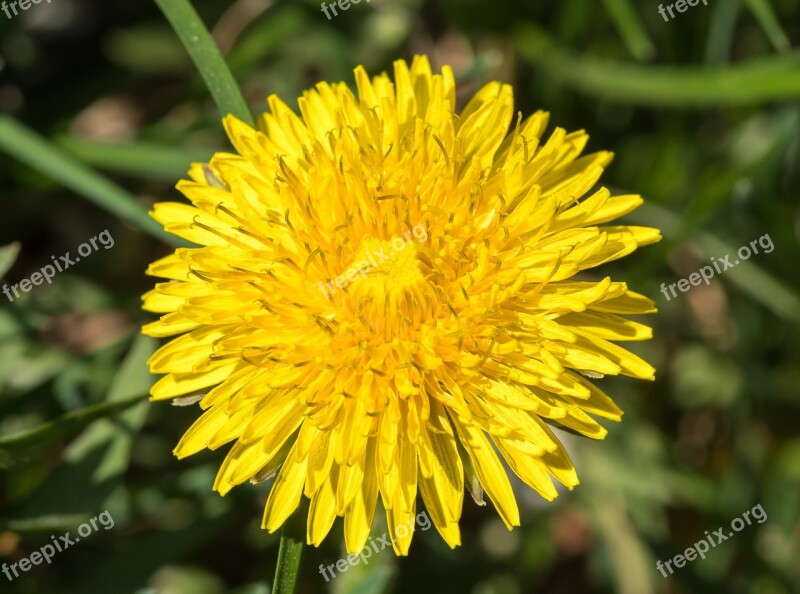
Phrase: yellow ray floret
(382,303)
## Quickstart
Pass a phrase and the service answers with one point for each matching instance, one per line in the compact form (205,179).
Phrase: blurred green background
(703,115)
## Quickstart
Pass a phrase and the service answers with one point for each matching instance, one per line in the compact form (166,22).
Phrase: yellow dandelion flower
(383,302)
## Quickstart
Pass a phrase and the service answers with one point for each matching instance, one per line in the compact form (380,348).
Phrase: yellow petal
(490,472)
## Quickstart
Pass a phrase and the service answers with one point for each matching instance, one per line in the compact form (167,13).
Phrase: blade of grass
(751,83)
(14,447)
(206,55)
(141,159)
(762,11)
(24,144)
(630,28)
(720,32)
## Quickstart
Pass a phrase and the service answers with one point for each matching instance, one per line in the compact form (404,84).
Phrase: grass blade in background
(139,159)
(21,143)
(16,447)
(749,83)
(719,40)
(630,28)
(765,16)
(206,55)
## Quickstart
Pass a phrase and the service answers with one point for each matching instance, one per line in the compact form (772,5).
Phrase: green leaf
(8,255)
(95,462)
(749,83)
(24,144)
(207,57)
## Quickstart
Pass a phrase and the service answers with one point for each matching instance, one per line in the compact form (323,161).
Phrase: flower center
(384,267)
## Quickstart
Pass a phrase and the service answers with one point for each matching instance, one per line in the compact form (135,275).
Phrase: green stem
(290,555)
(206,56)
(26,145)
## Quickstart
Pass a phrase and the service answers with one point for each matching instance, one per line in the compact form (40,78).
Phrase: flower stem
(290,555)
